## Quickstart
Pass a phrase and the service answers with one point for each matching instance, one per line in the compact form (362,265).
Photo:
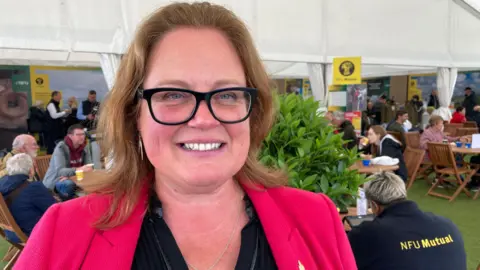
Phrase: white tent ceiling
(393,37)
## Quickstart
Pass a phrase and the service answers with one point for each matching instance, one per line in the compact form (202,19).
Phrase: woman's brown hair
(379,130)
(117,124)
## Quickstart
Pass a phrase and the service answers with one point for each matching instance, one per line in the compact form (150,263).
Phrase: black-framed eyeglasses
(175,106)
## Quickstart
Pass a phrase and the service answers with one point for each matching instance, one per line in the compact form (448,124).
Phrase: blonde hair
(434,120)
(74,102)
(125,179)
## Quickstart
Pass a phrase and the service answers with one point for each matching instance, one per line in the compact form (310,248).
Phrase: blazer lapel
(115,248)
(277,229)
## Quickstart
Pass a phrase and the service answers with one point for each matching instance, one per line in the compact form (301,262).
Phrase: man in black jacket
(345,127)
(469,103)
(87,112)
(402,236)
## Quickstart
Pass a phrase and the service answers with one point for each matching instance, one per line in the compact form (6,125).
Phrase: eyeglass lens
(177,106)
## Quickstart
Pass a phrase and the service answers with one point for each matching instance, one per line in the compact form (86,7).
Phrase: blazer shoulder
(304,204)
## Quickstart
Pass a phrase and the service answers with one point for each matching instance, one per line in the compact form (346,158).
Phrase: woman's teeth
(201,146)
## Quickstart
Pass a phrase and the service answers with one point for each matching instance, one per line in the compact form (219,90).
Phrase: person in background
(27,201)
(402,236)
(72,117)
(345,127)
(23,143)
(434,133)
(186,190)
(398,126)
(380,109)
(414,109)
(54,123)
(458,116)
(87,112)
(469,103)
(69,155)
(386,145)
(433,101)
(36,120)
(368,117)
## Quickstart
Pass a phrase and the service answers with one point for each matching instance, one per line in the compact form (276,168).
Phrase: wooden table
(466,151)
(372,168)
(352,211)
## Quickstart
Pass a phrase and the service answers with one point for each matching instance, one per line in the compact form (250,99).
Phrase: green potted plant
(305,145)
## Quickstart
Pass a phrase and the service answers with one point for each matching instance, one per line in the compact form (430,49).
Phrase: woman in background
(71,119)
(387,145)
(434,133)
(458,116)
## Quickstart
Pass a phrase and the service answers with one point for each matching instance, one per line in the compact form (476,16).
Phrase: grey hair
(338,115)
(19,164)
(385,188)
(18,142)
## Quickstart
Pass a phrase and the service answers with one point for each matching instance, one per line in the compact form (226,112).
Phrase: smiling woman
(184,123)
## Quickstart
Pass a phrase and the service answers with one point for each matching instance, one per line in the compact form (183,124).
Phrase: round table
(373,168)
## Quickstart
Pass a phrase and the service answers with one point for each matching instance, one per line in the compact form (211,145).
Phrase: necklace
(224,250)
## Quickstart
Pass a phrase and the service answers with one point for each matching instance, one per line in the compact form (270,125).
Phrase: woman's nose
(203,117)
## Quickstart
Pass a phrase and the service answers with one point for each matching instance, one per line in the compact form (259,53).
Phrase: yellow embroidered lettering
(432,243)
(416,244)
(449,236)
(404,245)
(442,241)
(425,243)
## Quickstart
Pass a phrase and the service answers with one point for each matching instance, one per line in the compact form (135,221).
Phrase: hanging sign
(347,70)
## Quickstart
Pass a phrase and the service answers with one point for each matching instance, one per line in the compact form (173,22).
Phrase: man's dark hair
(468,88)
(92,92)
(400,113)
(72,128)
(54,93)
(459,109)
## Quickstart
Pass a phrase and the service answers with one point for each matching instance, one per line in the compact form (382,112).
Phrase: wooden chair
(451,129)
(470,124)
(444,164)
(396,135)
(466,131)
(43,162)
(7,222)
(412,139)
(413,158)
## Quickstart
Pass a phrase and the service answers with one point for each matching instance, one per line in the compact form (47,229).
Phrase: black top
(403,237)
(157,249)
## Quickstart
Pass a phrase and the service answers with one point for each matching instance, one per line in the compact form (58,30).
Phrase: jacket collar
(400,208)
(278,230)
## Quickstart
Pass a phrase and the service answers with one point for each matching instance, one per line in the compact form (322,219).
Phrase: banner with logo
(14,103)
(70,81)
(423,85)
(347,70)
(351,99)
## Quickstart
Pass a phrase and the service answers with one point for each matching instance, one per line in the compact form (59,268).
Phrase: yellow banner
(347,70)
(40,88)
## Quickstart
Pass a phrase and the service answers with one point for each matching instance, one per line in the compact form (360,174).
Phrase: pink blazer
(302,228)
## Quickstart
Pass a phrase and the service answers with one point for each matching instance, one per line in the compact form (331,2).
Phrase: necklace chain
(224,250)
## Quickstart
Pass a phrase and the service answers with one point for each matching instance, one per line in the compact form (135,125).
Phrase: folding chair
(412,139)
(7,222)
(466,131)
(413,158)
(43,162)
(444,163)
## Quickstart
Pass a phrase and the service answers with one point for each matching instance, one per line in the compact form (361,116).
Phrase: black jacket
(36,120)
(433,102)
(348,134)
(393,149)
(403,237)
(469,103)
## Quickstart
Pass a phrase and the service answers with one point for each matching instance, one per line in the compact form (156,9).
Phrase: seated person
(345,127)
(69,155)
(26,200)
(386,145)
(458,116)
(434,133)
(402,236)
(23,143)
(397,125)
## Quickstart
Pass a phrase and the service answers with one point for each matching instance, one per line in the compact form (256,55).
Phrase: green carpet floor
(463,211)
